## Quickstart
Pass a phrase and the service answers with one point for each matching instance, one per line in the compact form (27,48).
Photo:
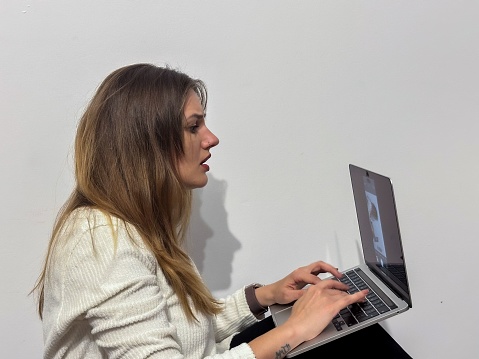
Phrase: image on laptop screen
(375,220)
(383,253)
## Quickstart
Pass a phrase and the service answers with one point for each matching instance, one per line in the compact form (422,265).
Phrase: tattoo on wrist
(283,351)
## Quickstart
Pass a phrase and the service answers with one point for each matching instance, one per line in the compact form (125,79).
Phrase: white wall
(298,90)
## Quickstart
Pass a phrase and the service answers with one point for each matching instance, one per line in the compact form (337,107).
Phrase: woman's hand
(290,288)
(312,312)
(318,306)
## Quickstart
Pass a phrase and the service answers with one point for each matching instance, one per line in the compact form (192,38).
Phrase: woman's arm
(310,315)
(114,290)
(235,317)
(111,299)
(315,307)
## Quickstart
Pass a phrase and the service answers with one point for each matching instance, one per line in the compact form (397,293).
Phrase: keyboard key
(358,312)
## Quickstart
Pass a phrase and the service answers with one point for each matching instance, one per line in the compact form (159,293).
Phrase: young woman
(117,282)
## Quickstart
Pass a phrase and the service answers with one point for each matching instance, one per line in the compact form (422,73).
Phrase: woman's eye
(194,128)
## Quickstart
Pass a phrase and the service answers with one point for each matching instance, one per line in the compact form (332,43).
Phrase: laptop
(382,270)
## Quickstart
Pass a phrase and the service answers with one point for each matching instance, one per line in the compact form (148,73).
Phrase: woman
(116,280)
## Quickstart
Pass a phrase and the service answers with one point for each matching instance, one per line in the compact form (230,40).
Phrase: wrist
(276,343)
(265,295)
(258,308)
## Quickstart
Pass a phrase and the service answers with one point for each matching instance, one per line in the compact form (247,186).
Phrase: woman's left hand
(289,288)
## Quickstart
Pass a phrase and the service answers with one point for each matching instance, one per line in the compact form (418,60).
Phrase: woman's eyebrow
(196,117)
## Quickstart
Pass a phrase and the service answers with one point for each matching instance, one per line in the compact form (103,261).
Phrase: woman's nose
(211,140)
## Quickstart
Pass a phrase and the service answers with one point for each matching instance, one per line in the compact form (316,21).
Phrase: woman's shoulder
(86,219)
(93,229)
(91,217)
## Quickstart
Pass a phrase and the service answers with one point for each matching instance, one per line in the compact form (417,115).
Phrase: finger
(362,295)
(358,296)
(305,278)
(334,284)
(323,267)
(295,295)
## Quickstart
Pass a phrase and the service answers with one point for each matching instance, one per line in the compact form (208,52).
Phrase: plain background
(297,91)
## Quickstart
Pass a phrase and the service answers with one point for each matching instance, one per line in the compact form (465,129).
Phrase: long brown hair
(127,147)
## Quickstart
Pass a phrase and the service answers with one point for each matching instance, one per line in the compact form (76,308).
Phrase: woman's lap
(373,341)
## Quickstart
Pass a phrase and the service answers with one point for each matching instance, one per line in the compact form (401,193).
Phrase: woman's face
(198,140)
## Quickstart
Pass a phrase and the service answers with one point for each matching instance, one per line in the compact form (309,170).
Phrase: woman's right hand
(318,305)
(311,313)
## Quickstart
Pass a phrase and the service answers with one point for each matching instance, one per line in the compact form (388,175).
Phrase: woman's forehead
(193,105)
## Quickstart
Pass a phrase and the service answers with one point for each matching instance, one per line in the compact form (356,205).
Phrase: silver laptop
(383,269)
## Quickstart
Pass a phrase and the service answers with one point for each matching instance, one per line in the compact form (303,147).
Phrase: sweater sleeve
(235,317)
(116,287)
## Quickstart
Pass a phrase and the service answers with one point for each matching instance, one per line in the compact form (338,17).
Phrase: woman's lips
(204,165)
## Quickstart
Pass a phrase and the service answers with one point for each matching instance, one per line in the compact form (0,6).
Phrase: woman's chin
(198,183)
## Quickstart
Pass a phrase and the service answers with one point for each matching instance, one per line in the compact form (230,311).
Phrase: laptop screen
(379,228)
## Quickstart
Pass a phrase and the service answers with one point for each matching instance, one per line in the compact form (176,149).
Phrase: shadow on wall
(210,243)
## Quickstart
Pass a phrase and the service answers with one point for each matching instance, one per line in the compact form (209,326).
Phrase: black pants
(382,346)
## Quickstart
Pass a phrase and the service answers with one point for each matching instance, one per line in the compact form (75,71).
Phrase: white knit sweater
(107,298)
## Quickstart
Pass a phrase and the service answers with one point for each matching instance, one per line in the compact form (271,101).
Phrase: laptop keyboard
(399,271)
(376,301)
